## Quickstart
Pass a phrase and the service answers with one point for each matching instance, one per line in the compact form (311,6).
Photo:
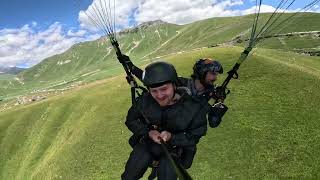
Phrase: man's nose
(160,95)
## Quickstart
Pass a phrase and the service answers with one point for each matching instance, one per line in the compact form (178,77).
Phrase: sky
(32,30)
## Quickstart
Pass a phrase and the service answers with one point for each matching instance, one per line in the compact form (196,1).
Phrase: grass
(269,132)
(292,43)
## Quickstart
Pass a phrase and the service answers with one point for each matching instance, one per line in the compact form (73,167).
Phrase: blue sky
(16,13)
(31,30)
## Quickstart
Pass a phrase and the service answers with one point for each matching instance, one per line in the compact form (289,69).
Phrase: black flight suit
(214,114)
(185,120)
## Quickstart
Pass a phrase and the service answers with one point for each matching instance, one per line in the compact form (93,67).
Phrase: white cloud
(79,33)
(173,11)
(184,11)
(86,23)
(263,9)
(317,8)
(121,10)
(187,11)
(28,46)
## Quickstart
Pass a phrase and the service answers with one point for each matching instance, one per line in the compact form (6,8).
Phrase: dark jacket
(215,114)
(189,83)
(185,120)
(181,82)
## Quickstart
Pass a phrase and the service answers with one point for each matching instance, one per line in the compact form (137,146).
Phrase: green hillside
(271,130)
(307,43)
(90,61)
(89,56)
(215,31)
(9,84)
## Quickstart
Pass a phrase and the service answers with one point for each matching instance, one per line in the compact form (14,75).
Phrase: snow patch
(136,44)
(63,62)
(157,32)
(19,80)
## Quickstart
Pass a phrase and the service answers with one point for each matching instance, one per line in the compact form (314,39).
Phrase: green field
(271,130)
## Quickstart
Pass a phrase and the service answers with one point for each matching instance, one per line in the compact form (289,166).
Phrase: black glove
(134,139)
(209,92)
(126,60)
(221,93)
(216,113)
(217,93)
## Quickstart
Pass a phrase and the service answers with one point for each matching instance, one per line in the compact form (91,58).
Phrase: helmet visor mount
(213,66)
(203,66)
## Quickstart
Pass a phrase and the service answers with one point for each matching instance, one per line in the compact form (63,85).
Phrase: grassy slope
(270,131)
(157,40)
(8,83)
(308,43)
(5,82)
(89,56)
(218,30)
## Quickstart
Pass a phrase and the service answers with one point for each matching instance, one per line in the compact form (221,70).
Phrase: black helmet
(202,66)
(158,73)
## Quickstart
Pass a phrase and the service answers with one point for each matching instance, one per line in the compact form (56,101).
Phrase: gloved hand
(126,60)
(216,113)
(221,93)
(209,92)
(217,93)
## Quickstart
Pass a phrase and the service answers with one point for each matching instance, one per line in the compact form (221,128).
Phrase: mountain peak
(150,23)
(10,70)
(141,26)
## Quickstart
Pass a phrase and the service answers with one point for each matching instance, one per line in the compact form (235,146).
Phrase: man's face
(163,94)
(211,77)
